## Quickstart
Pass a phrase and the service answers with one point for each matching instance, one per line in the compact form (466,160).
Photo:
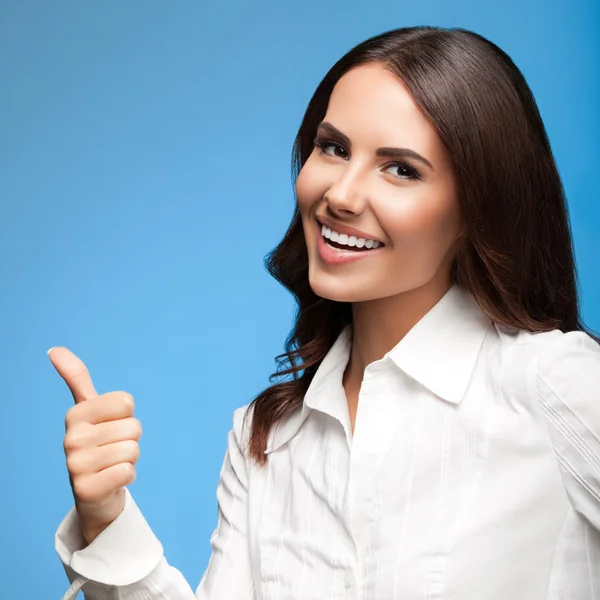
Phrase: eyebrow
(386,152)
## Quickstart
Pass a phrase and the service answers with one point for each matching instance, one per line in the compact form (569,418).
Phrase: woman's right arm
(126,560)
(106,546)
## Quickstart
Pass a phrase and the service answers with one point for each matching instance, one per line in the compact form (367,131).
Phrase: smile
(335,248)
(350,241)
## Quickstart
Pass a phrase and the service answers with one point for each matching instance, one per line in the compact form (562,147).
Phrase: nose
(346,194)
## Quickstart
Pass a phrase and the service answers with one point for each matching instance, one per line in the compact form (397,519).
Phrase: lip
(347,229)
(334,256)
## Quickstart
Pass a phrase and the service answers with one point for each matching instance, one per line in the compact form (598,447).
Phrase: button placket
(378,420)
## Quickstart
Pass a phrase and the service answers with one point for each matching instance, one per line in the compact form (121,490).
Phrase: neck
(379,325)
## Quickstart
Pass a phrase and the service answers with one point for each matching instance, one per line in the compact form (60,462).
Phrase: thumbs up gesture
(100,443)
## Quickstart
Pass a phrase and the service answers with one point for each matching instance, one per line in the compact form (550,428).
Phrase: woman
(440,434)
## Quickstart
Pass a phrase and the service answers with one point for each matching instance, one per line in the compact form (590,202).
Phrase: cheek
(304,186)
(310,186)
(435,225)
(306,198)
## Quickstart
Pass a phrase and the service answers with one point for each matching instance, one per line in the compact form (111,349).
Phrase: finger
(95,487)
(86,435)
(92,460)
(118,431)
(74,373)
(100,409)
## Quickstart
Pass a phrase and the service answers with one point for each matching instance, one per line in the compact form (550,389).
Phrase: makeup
(332,255)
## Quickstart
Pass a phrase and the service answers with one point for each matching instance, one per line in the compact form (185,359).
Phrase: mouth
(343,241)
(336,252)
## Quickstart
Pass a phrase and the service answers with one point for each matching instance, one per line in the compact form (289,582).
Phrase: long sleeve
(126,560)
(568,388)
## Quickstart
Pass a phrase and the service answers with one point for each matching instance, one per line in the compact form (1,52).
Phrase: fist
(100,443)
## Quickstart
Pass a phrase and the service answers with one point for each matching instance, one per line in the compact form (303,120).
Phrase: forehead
(370,99)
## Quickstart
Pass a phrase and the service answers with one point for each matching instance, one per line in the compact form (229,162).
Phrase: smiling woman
(366,183)
(440,434)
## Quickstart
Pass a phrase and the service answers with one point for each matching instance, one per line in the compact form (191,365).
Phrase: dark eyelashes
(412,172)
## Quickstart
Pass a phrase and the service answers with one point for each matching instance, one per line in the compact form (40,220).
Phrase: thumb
(74,372)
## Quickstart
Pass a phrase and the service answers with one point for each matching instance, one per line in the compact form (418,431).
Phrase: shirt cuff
(123,553)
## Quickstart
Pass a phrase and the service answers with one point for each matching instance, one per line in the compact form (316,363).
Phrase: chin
(339,292)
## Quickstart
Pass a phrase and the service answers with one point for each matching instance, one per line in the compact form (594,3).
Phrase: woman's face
(406,203)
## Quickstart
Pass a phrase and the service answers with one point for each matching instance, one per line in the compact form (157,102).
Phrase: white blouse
(473,473)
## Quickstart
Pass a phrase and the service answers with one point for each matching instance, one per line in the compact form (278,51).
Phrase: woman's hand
(100,443)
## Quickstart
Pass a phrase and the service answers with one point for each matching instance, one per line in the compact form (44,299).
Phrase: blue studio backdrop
(144,175)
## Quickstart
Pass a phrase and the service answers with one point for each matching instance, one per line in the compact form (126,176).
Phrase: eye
(338,151)
(405,171)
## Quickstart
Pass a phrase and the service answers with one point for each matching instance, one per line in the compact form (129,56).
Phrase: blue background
(144,174)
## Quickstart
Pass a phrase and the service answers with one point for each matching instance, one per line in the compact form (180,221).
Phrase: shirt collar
(440,352)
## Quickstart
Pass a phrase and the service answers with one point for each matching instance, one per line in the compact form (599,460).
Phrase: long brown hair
(518,258)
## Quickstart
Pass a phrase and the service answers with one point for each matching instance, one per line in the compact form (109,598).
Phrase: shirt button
(348,579)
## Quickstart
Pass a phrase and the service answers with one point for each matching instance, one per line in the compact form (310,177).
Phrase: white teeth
(342,238)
